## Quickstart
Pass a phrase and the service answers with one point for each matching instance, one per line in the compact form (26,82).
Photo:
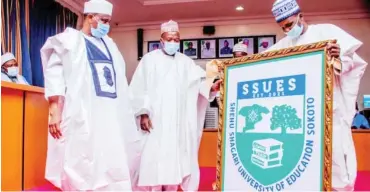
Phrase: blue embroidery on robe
(108,76)
(103,73)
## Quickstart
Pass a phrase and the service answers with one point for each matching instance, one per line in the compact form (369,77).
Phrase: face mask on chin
(101,30)
(12,71)
(171,47)
(296,31)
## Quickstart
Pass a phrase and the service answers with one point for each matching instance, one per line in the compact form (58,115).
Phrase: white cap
(170,26)
(240,47)
(6,57)
(283,9)
(98,6)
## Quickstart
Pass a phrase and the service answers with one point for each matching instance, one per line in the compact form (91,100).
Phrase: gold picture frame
(328,98)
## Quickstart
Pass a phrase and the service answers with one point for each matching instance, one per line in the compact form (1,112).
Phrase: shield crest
(270,135)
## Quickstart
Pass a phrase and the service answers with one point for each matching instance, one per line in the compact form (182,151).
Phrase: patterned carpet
(208,175)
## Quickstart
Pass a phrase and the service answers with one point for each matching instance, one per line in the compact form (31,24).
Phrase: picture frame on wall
(208,48)
(265,42)
(225,47)
(249,42)
(154,45)
(190,48)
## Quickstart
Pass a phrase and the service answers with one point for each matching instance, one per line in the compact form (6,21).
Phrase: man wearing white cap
(10,70)
(171,96)
(91,123)
(240,50)
(349,68)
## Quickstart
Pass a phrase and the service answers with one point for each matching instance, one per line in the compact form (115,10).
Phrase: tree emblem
(285,117)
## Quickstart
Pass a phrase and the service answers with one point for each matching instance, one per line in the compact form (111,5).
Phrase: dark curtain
(26,59)
(47,18)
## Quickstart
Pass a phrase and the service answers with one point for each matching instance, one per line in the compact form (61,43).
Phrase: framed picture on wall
(190,48)
(225,46)
(265,42)
(249,42)
(154,45)
(208,48)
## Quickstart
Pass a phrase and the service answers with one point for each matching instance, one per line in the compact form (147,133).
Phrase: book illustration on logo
(285,117)
(253,115)
(267,153)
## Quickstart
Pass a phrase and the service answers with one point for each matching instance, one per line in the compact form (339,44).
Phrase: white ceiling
(143,11)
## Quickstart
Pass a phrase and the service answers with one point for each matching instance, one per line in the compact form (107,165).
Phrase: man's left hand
(333,49)
(216,86)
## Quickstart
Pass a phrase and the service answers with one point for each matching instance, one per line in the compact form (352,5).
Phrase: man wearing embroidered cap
(10,71)
(171,96)
(91,123)
(349,68)
(240,50)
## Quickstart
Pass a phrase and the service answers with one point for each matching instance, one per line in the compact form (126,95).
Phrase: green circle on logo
(269,156)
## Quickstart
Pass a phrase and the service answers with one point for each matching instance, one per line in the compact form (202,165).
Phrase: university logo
(270,131)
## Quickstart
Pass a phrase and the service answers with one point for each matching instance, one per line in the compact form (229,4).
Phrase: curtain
(47,18)
(14,37)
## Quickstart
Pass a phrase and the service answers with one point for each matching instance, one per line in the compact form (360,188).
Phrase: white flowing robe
(20,79)
(174,92)
(97,131)
(346,87)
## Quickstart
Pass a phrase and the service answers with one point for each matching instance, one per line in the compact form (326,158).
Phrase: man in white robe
(171,94)
(91,123)
(10,70)
(349,68)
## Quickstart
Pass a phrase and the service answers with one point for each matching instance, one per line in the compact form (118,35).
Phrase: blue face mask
(296,31)
(171,47)
(100,31)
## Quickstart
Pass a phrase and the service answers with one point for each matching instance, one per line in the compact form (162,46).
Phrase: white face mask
(12,71)
(171,47)
(296,31)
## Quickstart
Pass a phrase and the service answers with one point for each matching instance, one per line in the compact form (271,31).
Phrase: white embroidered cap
(98,6)
(240,47)
(283,9)
(170,26)
(6,57)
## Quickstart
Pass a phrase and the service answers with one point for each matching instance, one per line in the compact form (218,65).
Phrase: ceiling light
(239,8)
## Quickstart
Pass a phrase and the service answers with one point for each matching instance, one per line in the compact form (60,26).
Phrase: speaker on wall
(209,30)
(140,43)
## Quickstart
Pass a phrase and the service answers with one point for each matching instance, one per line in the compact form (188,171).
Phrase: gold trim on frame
(328,97)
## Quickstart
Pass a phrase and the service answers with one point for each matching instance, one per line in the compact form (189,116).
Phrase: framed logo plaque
(275,125)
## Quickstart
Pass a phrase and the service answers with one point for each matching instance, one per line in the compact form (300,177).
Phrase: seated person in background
(360,121)
(240,50)
(9,70)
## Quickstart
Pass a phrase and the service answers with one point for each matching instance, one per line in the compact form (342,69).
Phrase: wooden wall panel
(11,139)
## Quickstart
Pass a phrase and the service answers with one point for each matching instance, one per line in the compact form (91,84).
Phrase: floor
(208,175)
